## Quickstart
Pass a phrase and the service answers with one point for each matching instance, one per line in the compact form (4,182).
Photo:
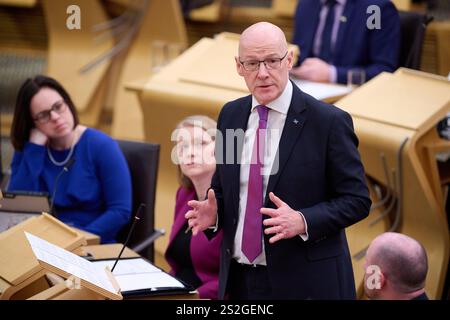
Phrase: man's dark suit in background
(356,45)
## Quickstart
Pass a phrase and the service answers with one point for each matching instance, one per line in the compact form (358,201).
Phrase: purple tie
(252,234)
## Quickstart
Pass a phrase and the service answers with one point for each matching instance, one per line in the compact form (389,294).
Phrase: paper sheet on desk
(69,263)
(139,274)
(128,266)
(321,91)
(142,281)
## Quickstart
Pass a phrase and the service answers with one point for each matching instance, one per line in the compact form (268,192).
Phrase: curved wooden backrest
(127,116)
(402,4)
(18,3)
(398,119)
(70,50)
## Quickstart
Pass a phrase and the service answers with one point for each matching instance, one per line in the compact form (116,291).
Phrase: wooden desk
(20,273)
(284,8)
(209,13)
(18,3)
(436,48)
(107,251)
(91,239)
(395,118)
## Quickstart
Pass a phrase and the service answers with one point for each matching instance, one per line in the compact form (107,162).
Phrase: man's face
(264,83)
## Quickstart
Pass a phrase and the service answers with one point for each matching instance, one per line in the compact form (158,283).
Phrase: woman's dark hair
(23,122)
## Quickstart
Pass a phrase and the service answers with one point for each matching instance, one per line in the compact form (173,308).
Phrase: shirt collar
(280,104)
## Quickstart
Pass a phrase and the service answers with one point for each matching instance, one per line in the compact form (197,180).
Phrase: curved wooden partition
(395,116)
(137,62)
(71,50)
(18,3)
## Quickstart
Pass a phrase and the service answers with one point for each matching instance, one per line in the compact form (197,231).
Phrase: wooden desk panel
(395,115)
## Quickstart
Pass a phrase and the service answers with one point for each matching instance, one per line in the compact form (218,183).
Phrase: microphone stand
(136,218)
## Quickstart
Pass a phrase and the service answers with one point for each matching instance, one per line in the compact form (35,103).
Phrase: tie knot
(263,112)
(330,3)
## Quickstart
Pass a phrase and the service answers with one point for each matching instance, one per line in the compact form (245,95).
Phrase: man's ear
(382,280)
(239,67)
(290,59)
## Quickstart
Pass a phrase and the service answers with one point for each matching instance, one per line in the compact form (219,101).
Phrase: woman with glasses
(81,168)
(194,259)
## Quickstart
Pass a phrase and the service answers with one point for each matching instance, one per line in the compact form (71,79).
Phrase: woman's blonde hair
(206,124)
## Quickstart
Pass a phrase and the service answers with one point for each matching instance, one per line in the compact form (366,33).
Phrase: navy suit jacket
(321,175)
(374,50)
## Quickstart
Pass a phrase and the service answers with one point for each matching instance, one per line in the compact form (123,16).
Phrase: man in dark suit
(335,36)
(396,268)
(286,190)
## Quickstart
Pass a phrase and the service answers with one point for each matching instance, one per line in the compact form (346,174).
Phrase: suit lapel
(344,24)
(241,115)
(295,121)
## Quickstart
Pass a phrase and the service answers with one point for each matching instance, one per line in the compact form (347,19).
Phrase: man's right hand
(38,137)
(203,214)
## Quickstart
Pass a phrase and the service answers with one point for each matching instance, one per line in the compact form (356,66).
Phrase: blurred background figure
(396,268)
(335,36)
(194,259)
(81,168)
(188,5)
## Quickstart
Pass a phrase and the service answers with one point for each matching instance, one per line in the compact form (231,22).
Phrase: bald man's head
(401,259)
(264,61)
(259,34)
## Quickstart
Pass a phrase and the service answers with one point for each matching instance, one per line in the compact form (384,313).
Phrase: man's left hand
(284,222)
(313,69)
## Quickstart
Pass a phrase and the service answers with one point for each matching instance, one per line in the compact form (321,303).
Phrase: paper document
(321,91)
(70,263)
(128,266)
(139,274)
(147,281)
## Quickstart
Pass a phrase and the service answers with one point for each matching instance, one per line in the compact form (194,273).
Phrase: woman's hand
(38,137)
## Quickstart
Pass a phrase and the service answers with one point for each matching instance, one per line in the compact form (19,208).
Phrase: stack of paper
(61,260)
(138,274)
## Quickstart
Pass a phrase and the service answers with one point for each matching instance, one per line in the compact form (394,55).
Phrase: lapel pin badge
(343,19)
(296,121)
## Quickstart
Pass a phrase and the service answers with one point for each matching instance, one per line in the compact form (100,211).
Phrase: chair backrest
(412,32)
(142,159)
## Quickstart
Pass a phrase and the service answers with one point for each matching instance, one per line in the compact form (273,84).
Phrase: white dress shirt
(275,124)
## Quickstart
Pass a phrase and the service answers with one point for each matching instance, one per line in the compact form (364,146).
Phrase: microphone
(55,185)
(136,218)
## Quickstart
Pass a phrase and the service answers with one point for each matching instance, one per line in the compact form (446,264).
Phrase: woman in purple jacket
(194,259)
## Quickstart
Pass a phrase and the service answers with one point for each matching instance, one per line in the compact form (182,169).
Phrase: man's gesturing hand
(284,222)
(203,213)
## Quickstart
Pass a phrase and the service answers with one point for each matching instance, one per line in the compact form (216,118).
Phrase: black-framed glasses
(45,116)
(269,63)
